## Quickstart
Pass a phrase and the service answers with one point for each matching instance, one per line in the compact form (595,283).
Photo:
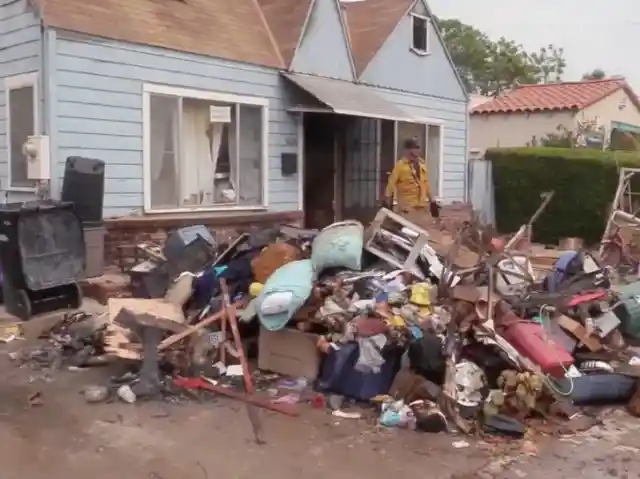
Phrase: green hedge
(584,182)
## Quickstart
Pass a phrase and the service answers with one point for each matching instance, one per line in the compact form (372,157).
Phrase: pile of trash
(435,335)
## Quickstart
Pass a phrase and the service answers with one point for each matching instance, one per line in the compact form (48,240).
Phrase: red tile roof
(554,96)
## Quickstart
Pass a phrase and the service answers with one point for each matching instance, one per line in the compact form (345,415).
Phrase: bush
(584,182)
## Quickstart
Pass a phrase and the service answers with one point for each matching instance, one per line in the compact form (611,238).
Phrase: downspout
(47,81)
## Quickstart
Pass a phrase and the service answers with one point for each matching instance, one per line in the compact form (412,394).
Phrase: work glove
(434,209)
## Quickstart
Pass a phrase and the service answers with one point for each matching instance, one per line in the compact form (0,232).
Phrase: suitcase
(339,376)
(531,340)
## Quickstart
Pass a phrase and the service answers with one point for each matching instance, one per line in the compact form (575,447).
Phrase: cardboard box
(289,352)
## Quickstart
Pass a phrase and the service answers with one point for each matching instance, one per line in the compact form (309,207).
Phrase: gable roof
(261,32)
(369,24)
(555,96)
(286,19)
(235,30)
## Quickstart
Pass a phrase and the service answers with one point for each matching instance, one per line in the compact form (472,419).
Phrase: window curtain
(250,155)
(163,131)
(202,141)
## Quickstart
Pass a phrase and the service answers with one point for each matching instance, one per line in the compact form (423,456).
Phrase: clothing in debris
(370,359)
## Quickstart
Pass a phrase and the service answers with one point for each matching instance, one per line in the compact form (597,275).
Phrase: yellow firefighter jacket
(411,190)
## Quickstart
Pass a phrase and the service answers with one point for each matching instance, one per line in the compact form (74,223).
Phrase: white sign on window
(220,114)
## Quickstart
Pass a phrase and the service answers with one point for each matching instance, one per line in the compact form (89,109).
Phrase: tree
(597,74)
(468,49)
(488,67)
(549,63)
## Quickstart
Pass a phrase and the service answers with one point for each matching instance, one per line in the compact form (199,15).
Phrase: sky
(594,33)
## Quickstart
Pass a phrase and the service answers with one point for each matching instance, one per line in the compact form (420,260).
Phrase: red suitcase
(531,340)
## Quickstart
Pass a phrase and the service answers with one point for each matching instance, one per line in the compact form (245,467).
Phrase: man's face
(414,153)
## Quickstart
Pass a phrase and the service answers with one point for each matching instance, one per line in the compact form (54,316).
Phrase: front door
(319,169)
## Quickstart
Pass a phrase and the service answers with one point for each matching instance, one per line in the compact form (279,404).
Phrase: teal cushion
(338,245)
(295,278)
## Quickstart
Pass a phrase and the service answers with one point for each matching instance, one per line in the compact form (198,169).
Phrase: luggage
(531,340)
(339,376)
(338,245)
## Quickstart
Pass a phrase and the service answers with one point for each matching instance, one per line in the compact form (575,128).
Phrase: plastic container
(94,247)
(531,340)
(42,254)
(189,249)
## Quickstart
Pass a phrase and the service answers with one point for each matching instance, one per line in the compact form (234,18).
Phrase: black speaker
(83,185)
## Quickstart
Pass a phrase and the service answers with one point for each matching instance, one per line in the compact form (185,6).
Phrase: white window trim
(149,89)
(422,53)
(13,83)
(300,151)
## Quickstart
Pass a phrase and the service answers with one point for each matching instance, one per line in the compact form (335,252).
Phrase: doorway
(322,166)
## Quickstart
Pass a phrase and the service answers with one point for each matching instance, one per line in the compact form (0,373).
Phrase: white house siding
(20,53)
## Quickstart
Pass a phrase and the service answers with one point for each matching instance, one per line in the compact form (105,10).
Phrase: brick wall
(123,234)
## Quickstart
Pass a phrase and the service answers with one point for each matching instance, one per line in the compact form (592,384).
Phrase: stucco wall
(615,107)
(517,129)
(514,129)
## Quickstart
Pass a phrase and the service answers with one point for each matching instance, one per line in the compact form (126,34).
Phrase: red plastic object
(532,341)
(587,298)
(318,401)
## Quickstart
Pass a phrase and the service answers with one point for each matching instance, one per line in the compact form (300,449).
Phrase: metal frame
(619,208)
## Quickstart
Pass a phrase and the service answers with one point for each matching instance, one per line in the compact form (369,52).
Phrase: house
(530,112)
(229,112)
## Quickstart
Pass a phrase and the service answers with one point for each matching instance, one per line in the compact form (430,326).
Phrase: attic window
(420,38)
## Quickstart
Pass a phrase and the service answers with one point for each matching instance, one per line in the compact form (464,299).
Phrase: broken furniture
(385,239)
(42,256)
(624,209)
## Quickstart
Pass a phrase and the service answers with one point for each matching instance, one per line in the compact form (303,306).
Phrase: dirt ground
(67,438)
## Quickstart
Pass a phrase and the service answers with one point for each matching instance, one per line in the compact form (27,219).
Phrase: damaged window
(197,148)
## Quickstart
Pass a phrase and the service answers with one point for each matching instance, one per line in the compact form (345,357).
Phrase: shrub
(584,181)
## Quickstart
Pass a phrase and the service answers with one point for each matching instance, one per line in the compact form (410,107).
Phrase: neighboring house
(530,112)
(228,112)
(476,100)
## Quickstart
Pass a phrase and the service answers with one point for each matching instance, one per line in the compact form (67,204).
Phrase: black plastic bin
(42,256)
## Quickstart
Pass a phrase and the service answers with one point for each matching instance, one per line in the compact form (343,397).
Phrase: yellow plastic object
(420,294)
(255,289)
(397,321)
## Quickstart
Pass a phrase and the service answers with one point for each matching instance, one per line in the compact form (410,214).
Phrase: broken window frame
(238,104)
(27,81)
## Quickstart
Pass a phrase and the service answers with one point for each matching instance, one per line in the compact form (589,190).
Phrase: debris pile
(438,332)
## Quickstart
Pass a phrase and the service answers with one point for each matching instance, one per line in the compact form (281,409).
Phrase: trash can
(42,256)
(94,246)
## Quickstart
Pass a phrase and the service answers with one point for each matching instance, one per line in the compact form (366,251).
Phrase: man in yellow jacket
(409,180)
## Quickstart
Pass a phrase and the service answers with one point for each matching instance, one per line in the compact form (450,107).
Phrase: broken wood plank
(146,312)
(191,329)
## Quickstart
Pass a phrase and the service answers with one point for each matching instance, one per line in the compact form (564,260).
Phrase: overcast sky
(594,33)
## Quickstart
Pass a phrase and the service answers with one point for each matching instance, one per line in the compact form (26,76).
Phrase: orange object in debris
(271,258)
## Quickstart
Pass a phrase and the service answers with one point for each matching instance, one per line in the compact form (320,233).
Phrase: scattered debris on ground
(445,330)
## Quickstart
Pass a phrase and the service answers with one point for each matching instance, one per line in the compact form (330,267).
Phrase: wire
(551,382)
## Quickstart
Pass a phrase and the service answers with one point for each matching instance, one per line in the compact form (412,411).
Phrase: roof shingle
(370,23)
(554,96)
(286,19)
(229,29)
